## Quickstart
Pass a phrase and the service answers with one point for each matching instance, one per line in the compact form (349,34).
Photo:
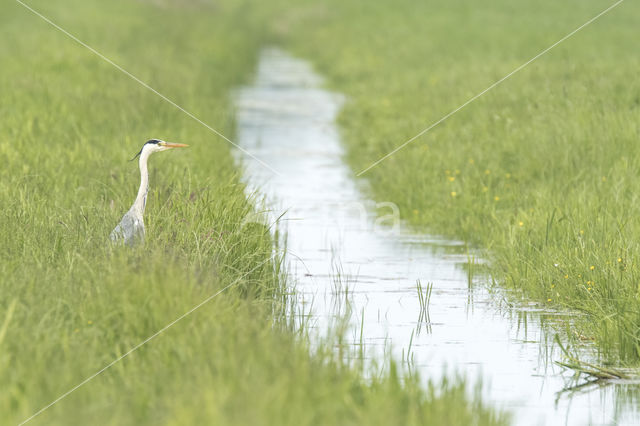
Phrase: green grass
(543,171)
(71,303)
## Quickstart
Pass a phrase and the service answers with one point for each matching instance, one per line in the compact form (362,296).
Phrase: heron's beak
(174,145)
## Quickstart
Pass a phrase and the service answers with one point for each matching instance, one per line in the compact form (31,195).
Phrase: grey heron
(130,230)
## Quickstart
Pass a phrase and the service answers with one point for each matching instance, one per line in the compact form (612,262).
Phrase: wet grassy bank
(542,171)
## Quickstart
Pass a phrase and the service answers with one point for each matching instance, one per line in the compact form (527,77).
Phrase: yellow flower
(451,178)
(581,232)
(521,223)
(454,193)
(471,161)
(619,260)
(566,276)
(89,322)
(589,289)
(604,178)
(496,198)
(508,175)
(548,300)
(487,172)
(485,189)
(457,172)
(447,172)
(592,267)
(553,286)
(415,211)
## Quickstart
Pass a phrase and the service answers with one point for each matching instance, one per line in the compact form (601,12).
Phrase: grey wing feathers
(130,230)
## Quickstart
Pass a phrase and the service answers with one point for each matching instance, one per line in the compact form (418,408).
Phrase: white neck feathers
(141,199)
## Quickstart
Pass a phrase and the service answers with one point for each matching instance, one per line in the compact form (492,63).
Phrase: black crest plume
(150,141)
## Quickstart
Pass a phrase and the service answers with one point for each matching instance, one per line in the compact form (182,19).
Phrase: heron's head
(157,145)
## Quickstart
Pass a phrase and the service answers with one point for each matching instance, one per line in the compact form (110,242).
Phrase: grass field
(71,303)
(542,171)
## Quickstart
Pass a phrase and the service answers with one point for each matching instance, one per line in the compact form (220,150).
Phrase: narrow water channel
(341,246)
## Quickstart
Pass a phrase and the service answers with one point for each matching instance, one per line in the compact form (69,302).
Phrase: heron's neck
(141,199)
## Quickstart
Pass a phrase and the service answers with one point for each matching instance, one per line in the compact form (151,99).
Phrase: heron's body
(130,230)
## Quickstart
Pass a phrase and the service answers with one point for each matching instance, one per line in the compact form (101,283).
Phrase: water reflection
(418,296)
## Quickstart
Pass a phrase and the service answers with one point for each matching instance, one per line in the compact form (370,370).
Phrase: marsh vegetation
(540,174)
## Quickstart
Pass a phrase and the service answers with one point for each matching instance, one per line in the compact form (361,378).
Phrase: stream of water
(343,247)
